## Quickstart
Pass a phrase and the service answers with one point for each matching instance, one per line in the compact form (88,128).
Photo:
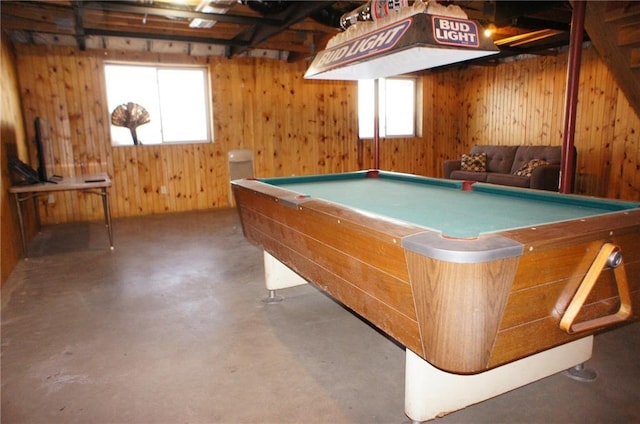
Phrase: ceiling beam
(297,12)
(535,23)
(166,37)
(173,12)
(80,34)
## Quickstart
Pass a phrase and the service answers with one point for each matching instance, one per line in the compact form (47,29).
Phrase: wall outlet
(163,189)
(51,199)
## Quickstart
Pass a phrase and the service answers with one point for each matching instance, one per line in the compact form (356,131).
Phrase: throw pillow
(527,169)
(475,163)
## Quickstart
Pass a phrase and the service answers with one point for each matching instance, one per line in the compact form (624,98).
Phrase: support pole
(376,124)
(571,96)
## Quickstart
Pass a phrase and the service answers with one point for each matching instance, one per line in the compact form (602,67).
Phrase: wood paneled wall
(296,126)
(12,140)
(522,102)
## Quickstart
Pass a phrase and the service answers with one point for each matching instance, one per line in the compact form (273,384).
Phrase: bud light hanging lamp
(386,37)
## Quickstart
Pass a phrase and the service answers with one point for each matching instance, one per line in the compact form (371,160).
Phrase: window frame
(417,110)
(208,103)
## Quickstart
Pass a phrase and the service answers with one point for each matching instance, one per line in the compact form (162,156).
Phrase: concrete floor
(171,328)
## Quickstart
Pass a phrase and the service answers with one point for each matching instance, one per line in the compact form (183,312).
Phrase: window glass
(399,107)
(396,106)
(174,97)
(365,108)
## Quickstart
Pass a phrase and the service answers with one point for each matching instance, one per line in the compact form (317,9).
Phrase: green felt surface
(445,207)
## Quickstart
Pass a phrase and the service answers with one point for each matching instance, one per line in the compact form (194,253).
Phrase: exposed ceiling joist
(174,12)
(296,30)
(80,34)
(165,37)
(259,34)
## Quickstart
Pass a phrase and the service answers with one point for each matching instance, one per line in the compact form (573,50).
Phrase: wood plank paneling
(513,103)
(300,127)
(522,102)
(12,140)
(294,126)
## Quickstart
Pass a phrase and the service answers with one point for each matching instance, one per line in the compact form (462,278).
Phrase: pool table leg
(278,276)
(431,392)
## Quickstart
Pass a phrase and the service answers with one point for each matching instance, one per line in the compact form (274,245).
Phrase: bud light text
(373,43)
(455,32)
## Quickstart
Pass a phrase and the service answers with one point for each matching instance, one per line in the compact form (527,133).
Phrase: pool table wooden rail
(511,312)
(356,259)
(550,271)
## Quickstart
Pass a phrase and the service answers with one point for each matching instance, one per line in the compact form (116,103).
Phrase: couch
(536,167)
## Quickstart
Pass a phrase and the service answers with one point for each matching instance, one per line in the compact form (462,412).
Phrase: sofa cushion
(499,158)
(527,169)
(469,176)
(474,162)
(509,179)
(551,154)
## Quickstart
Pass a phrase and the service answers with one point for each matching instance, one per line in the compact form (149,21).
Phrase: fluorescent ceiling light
(210,6)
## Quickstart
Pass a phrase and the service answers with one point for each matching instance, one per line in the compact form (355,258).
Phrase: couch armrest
(546,177)
(451,165)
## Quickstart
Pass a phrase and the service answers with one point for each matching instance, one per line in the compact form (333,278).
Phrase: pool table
(468,277)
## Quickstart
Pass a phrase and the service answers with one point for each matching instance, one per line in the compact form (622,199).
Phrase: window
(176,99)
(396,106)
